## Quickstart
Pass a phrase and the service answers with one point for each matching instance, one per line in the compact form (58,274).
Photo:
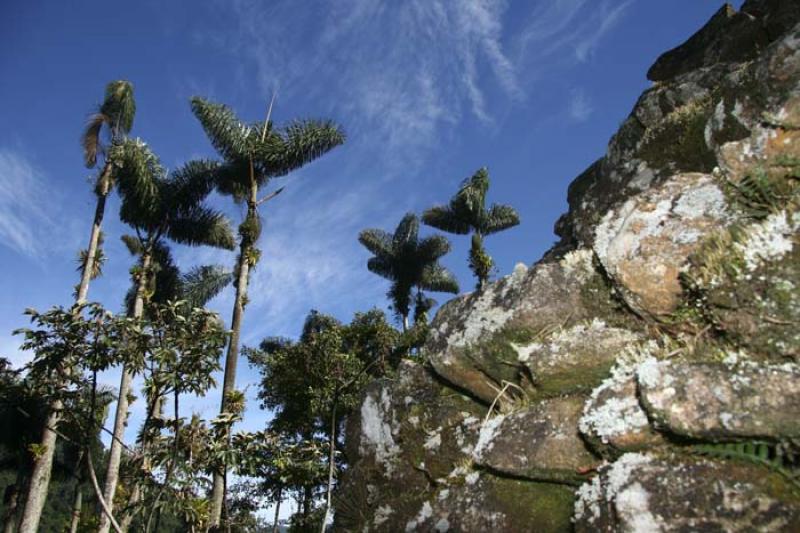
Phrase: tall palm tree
(157,207)
(115,118)
(408,263)
(467,213)
(253,154)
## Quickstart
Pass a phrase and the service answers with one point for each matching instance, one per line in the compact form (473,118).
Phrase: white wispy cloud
(24,220)
(573,26)
(580,107)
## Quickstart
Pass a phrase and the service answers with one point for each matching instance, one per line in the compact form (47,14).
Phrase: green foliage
(408,262)
(272,151)
(157,205)
(765,191)
(115,113)
(782,458)
(467,213)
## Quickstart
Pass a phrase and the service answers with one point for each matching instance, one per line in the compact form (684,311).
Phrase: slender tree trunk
(275,524)
(121,415)
(43,464)
(103,188)
(12,501)
(77,506)
(231,359)
(40,477)
(77,499)
(405,323)
(331,469)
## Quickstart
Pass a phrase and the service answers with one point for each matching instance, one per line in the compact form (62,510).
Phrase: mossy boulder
(573,359)
(645,243)
(642,492)
(613,420)
(540,442)
(489,503)
(722,401)
(473,338)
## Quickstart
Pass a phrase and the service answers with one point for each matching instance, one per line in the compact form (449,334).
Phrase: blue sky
(427,90)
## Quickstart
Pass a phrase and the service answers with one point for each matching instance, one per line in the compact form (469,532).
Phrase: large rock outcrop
(643,376)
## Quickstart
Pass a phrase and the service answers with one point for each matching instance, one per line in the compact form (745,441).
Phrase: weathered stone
(540,442)
(613,419)
(407,433)
(473,337)
(728,36)
(722,401)
(644,493)
(573,359)
(645,243)
(488,503)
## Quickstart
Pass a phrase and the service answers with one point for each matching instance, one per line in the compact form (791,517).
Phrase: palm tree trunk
(43,464)
(121,415)
(77,500)
(331,469)
(77,505)
(40,477)
(12,501)
(103,188)
(231,359)
(275,524)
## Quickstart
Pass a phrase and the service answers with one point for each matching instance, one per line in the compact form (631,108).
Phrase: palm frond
(432,248)
(437,278)
(190,184)
(376,241)
(202,226)
(382,267)
(227,134)
(139,178)
(120,106)
(406,231)
(90,140)
(233,179)
(446,219)
(300,143)
(133,244)
(202,283)
(498,218)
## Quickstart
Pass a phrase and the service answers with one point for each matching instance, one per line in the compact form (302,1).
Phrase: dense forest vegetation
(184,473)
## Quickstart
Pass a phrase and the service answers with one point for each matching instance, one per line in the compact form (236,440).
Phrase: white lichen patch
(770,239)
(486,437)
(472,478)
(484,314)
(382,514)
(442,525)
(524,352)
(424,513)
(620,413)
(376,431)
(633,508)
(434,440)
(578,264)
(649,373)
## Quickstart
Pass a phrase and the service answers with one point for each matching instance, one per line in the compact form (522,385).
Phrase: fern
(781,458)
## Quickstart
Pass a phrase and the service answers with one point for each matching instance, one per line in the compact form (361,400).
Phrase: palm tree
(157,207)
(251,156)
(408,262)
(467,213)
(115,115)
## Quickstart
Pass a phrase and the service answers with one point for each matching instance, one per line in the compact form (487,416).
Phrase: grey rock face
(645,493)
(645,242)
(722,402)
(541,442)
